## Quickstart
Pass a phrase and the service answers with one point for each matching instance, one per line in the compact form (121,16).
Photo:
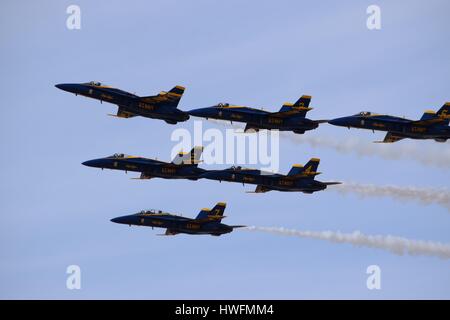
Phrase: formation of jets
(185,166)
(291,117)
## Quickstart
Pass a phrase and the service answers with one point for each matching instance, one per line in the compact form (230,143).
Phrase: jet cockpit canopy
(153,211)
(120,155)
(94,83)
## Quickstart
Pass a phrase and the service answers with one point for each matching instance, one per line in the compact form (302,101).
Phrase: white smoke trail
(421,195)
(393,244)
(436,155)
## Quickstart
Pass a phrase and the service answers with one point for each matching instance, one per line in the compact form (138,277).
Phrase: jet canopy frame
(364,113)
(94,83)
(120,156)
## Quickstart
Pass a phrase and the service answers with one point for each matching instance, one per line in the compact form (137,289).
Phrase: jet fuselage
(174,224)
(266,181)
(256,119)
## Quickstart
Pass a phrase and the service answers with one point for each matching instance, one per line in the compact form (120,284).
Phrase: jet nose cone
(338,122)
(93,163)
(88,163)
(117,220)
(63,86)
(195,112)
(69,87)
(124,220)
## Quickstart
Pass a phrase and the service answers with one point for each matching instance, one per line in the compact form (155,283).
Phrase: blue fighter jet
(183,166)
(432,125)
(299,179)
(162,106)
(208,221)
(291,117)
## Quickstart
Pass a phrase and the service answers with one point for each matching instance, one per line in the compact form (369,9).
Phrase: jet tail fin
(300,107)
(177,90)
(307,171)
(168,99)
(191,158)
(442,116)
(444,112)
(214,214)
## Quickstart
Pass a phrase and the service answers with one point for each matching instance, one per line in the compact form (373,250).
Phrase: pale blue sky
(55,212)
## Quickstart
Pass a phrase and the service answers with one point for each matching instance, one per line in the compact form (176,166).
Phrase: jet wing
(390,138)
(121,113)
